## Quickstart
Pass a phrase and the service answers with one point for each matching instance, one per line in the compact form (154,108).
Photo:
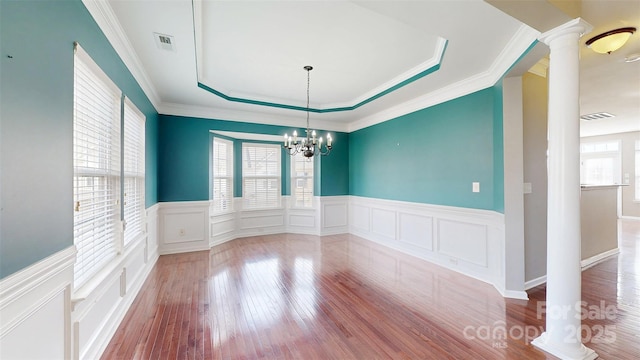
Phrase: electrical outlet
(476,187)
(181,232)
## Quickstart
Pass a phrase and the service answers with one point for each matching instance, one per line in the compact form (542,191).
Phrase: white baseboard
(589,262)
(535,282)
(630,218)
(585,264)
(513,294)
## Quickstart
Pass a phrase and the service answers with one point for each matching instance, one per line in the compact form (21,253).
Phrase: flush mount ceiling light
(610,41)
(310,145)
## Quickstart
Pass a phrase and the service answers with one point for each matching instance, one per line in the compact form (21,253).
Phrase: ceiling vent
(164,42)
(596,116)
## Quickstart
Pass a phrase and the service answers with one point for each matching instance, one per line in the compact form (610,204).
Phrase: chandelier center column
(562,336)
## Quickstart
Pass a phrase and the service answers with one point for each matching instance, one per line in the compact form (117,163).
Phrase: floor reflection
(342,297)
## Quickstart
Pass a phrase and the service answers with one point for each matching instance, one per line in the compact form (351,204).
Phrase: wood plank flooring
(341,297)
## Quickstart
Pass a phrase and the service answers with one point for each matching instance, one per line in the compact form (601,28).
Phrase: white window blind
(96,161)
(260,175)
(222,179)
(302,180)
(134,172)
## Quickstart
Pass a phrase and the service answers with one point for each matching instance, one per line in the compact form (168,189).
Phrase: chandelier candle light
(310,145)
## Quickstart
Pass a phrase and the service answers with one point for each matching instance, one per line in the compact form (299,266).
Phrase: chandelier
(311,144)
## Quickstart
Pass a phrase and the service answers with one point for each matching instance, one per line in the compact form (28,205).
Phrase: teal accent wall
(183,158)
(36,110)
(335,168)
(433,155)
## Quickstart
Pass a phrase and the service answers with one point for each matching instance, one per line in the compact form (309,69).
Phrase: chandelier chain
(309,145)
(308,86)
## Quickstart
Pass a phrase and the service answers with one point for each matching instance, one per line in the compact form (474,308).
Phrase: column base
(583,353)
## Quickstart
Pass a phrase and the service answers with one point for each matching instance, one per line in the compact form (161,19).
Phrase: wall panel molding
(469,241)
(96,316)
(183,227)
(36,303)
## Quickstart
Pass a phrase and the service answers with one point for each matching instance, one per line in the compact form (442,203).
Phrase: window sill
(109,271)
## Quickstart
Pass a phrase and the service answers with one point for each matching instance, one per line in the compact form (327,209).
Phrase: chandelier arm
(324,152)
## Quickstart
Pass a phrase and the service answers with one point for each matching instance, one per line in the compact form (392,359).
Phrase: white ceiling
(607,82)
(255,51)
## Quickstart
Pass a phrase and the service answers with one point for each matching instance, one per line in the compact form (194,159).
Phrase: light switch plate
(476,187)
(526,188)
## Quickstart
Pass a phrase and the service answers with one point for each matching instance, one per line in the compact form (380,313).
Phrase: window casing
(108,169)
(222,175)
(96,167)
(302,181)
(134,172)
(260,175)
(600,163)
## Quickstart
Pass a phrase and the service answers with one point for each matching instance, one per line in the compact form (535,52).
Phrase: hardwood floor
(341,297)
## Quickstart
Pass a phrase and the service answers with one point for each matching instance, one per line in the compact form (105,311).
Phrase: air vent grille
(596,116)
(164,42)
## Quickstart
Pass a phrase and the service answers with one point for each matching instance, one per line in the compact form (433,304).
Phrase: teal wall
(183,156)
(433,155)
(36,110)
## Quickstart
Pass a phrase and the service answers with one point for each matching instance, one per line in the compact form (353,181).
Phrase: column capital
(575,26)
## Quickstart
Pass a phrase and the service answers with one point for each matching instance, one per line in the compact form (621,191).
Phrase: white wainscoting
(183,227)
(334,214)
(98,308)
(327,216)
(35,309)
(469,241)
(44,317)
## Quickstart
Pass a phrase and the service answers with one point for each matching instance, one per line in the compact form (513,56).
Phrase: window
(600,163)
(637,170)
(302,181)
(133,201)
(108,169)
(96,167)
(260,175)
(222,175)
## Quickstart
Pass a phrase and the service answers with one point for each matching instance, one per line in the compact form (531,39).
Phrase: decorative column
(562,335)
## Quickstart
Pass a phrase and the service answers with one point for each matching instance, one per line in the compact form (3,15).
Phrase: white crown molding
(518,44)
(436,59)
(246,116)
(107,21)
(433,61)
